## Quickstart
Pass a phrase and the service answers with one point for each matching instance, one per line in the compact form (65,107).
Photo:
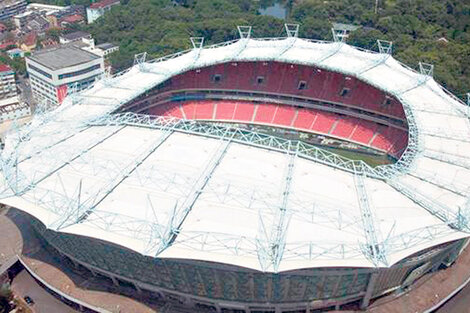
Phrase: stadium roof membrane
(181,189)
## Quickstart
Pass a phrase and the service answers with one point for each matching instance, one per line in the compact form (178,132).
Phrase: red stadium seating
(265,113)
(324,122)
(225,110)
(189,109)
(284,115)
(283,78)
(244,111)
(204,110)
(388,139)
(364,132)
(305,119)
(344,127)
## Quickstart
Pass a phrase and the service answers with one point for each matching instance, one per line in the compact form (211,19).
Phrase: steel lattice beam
(182,211)
(87,206)
(373,249)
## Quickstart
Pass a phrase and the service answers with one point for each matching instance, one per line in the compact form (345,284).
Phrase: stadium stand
(386,139)
(288,79)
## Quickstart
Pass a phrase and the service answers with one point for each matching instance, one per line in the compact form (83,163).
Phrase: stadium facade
(152,178)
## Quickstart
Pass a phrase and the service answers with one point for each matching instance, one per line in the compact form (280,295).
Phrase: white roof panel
(243,200)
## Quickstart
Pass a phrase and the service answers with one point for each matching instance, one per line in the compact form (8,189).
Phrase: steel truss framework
(269,246)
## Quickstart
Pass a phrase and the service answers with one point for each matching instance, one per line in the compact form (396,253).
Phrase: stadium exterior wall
(212,286)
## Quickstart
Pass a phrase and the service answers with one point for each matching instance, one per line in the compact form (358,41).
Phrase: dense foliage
(432,31)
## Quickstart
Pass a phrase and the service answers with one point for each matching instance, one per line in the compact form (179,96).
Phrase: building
(10,105)
(29,42)
(102,50)
(7,82)
(73,37)
(53,72)
(106,48)
(38,25)
(68,20)
(86,42)
(15,53)
(7,45)
(44,8)
(49,43)
(13,108)
(97,9)
(10,8)
(55,17)
(199,178)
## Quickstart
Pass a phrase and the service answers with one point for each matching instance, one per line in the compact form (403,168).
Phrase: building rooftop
(75,35)
(64,56)
(6,3)
(72,18)
(103,4)
(30,39)
(4,68)
(106,46)
(14,50)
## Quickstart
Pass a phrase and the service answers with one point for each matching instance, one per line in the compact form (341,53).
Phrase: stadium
(257,175)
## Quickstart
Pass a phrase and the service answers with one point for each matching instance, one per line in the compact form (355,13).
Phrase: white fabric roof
(131,185)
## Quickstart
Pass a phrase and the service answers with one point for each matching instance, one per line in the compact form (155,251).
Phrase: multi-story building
(97,9)
(10,8)
(7,82)
(10,105)
(55,18)
(53,72)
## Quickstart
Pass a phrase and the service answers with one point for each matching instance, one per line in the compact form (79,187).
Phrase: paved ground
(25,285)
(429,290)
(98,291)
(460,303)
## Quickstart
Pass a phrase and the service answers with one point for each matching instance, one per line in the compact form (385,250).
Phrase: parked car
(28,300)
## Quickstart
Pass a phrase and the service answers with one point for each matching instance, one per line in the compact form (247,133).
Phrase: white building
(7,82)
(10,8)
(10,106)
(97,9)
(105,49)
(53,72)
(13,108)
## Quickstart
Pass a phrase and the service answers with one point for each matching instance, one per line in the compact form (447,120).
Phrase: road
(24,89)
(25,285)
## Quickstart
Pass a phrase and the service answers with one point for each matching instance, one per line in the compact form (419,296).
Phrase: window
(217,78)
(344,92)
(387,101)
(43,73)
(260,80)
(81,72)
(302,85)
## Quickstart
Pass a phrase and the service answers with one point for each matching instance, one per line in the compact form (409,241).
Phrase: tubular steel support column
(369,291)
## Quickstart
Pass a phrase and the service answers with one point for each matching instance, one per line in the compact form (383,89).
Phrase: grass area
(371,159)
